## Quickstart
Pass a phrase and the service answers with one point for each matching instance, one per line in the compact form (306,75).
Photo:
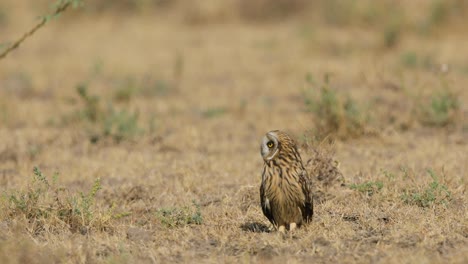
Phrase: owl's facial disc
(269,147)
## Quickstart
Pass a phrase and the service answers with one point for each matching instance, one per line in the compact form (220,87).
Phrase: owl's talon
(282,229)
(292,226)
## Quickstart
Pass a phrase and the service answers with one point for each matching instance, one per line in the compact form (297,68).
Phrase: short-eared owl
(285,192)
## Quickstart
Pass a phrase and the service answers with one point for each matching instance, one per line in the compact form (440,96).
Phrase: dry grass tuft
(323,165)
(49,208)
(323,168)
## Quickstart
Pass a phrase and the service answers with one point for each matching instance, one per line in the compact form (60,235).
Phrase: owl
(285,191)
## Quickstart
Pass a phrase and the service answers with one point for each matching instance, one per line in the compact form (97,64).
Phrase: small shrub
(146,86)
(155,87)
(83,205)
(177,217)
(91,110)
(438,13)
(433,194)
(125,91)
(127,6)
(3,20)
(121,125)
(263,10)
(409,59)
(46,205)
(339,13)
(214,112)
(441,111)
(392,34)
(389,175)
(414,60)
(333,114)
(116,124)
(368,188)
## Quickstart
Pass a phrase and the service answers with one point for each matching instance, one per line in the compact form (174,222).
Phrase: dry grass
(167,111)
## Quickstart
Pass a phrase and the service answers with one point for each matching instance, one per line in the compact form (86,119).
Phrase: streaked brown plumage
(285,192)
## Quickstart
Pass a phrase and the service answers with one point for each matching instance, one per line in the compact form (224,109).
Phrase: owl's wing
(265,204)
(306,185)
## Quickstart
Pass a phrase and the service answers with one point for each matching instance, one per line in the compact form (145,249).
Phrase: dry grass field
(130,130)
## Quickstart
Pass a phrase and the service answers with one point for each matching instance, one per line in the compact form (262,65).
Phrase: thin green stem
(17,43)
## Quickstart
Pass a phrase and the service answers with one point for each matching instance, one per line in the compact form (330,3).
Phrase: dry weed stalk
(62,6)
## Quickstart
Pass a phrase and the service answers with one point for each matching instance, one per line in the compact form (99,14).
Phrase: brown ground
(181,184)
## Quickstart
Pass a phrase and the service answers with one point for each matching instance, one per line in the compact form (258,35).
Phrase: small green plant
(442,109)
(214,112)
(439,13)
(46,204)
(414,60)
(28,202)
(151,87)
(368,188)
(91,109)
(177,217)
(146,86)
(435,193)
(392,27)
(392,35)
(333,115)
(121,125)
(84,205)
(125,92)
(116,124)
(389,175)
(339,13)
(3,19)
(409,59)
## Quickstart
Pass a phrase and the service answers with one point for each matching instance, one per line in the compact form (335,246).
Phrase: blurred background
(345,68)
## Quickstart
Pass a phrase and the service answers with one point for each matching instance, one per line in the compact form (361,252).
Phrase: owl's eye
(270,144)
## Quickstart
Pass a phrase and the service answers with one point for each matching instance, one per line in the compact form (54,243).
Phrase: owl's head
(273,143)
(270,145)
